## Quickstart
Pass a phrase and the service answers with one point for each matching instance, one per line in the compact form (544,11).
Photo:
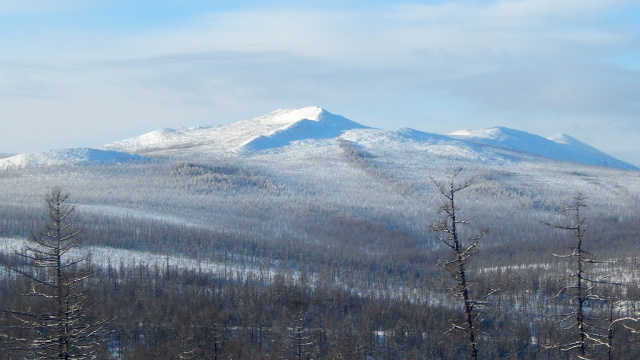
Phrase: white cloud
(474,64)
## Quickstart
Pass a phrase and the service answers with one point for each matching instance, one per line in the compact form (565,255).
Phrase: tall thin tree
(58,302)
(462,250)
(580,288)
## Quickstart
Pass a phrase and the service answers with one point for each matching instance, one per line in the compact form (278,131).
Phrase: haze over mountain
(312,128)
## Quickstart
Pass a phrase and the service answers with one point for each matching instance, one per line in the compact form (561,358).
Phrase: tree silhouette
(58,302)
(461,250)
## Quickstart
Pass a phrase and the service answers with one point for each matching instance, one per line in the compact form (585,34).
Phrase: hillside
(559,147)
(315,130)
(313,125)
(76,156)
(273,130)
(270,176)
(308,209)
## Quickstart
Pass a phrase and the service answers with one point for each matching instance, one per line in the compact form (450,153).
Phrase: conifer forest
(346,256)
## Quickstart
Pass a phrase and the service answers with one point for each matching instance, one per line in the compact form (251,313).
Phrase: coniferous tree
(58,304)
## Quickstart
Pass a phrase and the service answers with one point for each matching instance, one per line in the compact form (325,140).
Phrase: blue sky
(78,73)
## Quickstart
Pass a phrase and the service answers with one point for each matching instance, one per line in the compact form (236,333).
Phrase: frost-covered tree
(57,305)
(461,250)
(580,288)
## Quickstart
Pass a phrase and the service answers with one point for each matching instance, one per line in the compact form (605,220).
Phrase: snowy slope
(165,139)
(560,147)
(410,142)
(311,131)
(77,156)
(309,124)
(276,129)
(312,125)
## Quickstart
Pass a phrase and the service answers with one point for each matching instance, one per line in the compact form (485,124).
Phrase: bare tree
(581,286)
(462,250)
(58,301)
(300,337)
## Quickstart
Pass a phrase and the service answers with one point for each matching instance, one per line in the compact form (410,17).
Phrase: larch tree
(58,304)
(301,339)
(461,250)
(580,288)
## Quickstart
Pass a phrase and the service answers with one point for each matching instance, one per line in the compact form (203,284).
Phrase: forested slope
(330,235)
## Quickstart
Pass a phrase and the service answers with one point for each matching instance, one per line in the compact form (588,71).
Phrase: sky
(77,73)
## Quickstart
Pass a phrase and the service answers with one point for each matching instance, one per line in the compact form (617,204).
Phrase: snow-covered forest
(311,240)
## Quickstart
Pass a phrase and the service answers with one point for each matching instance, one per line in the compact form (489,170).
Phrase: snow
(103,257)
(559,147)
(276,129)
(301,155)
(290,116)
(570,141)
(77,156)
(308,129)
(321,125)
(495,133)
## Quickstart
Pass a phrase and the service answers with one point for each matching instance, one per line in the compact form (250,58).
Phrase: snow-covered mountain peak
(308,127)
(284,118)
(310,123)
(276,129)
(289,116)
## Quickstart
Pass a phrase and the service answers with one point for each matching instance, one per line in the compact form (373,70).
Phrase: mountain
(313,125)
(76,156)
(276,129)
(310,123)
(559,147)
(308,192)
(313,130)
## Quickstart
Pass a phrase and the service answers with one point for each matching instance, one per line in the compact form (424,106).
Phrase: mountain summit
(276,129)
(284,127)
(313,132)
(310,123)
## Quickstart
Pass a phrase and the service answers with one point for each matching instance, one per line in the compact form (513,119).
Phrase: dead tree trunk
(581,283)
(461,250)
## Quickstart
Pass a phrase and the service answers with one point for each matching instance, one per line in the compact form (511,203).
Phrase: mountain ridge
(313,126)
(558,147)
